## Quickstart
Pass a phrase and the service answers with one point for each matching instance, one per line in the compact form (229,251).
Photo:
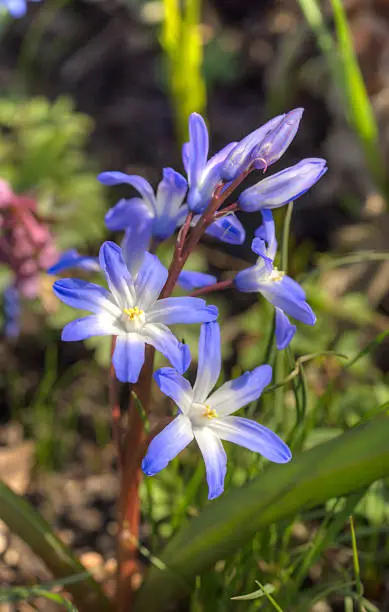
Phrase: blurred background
(92,85)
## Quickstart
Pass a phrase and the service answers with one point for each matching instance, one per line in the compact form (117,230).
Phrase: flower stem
(220,286)
(188,240)
(115,407)
(130,479)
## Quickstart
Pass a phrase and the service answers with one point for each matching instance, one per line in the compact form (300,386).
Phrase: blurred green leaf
(341,466)
(181,41)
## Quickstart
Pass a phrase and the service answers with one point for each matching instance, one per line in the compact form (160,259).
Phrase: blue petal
(189,280)
(240,156)
(94,325)
(138,182)
(149,281)
(267,232)
(239,392)
(275,143)
(201,192)
(249,280)
(135,244)
(265,266)
(284,330)
(116,272)
(170,196)
(164,341)
(283,187)
(85,296)
(11,307)
(215,460)
(252,435)
(167,445)
(72,259)
(176,387)
(282,295)
(293,287)
(197,151)
(181,310)
(209,363)
(17,8)
(128,357)
(186,156)
(227,229)
(128,213)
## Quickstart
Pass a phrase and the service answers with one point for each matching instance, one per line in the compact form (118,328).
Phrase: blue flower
(17,8)
(165,210)
(205,416)
(280,290)
(130,310)
(11,306)
(284,186)
(203,175)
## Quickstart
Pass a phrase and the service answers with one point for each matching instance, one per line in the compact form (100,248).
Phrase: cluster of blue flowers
(137,309)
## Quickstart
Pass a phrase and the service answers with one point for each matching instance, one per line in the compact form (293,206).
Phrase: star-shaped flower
(130,309)
(283,292)
(206,416)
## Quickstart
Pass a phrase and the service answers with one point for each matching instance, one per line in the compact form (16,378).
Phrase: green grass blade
(359,109)
(347,77)
(337,468)
(324,537)
(15,594)
(357,571)
(261,592)
(24,521)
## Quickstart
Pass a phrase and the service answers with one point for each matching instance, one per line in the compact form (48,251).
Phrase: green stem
(285,237)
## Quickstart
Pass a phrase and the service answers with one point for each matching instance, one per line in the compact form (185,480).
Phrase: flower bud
(240,156)
(275,143)
(284,186)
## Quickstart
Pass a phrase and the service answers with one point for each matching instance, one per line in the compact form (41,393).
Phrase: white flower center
(201,414)
(134,318)
(276,275)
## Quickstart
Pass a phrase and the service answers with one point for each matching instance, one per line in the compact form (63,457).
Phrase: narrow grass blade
(357,571)
(359,109)
(261,592)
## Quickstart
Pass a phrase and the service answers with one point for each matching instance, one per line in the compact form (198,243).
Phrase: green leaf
(29,525)
(339,467)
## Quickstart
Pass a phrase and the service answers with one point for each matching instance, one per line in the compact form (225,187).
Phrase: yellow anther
(276,275)
(210,413)
(133,313)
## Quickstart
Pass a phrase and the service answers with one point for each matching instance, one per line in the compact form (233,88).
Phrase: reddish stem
(131,477)
(225,211)
(211,288)
(131,474)
(182,234)
(115,407)
(181,255)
